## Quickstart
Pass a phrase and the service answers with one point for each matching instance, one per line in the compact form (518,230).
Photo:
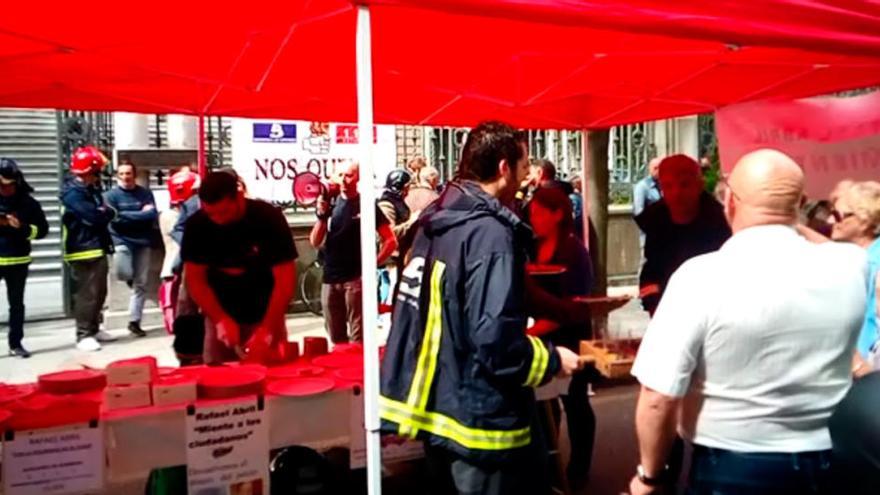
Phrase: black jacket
(15,243)
(668,245)
(459,370)
(85,219)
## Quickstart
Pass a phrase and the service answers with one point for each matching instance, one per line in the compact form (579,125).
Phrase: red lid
(42,410)
(354,374)
(294,371)
(227,382)
(300,387)
(73,381)
(339,360)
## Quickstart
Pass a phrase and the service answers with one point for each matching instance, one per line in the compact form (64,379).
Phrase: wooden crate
(613,358)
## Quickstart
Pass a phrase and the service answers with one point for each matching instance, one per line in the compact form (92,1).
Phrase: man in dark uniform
(686,222)
(459,370)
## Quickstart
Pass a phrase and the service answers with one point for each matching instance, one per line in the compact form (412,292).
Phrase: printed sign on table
(227,449)
(54,461)
(394,448)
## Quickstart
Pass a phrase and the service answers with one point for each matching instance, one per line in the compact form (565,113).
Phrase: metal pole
(203,162)
(368,251)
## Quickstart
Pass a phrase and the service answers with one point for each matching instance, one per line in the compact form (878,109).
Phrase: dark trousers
(581,425)
(343,311)
(527,474)
(723,472)
(90,279)
(15,277)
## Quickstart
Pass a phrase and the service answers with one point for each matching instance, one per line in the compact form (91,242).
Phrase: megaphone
(308,187)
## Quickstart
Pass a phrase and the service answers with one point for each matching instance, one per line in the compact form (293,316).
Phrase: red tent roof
(551,64)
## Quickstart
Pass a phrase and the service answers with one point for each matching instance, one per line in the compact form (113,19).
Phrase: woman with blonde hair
(855,218)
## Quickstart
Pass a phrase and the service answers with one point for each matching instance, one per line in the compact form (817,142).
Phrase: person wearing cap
(133,231)
(85,219)
(239,264)
(685,222)
(21,221)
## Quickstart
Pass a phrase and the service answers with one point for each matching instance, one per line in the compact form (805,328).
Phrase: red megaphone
(308,187)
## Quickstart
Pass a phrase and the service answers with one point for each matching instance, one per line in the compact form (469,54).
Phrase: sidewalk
(52,342)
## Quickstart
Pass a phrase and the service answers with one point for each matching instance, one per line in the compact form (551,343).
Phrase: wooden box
(613,358)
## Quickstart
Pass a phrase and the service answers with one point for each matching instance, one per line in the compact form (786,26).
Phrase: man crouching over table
(750,349)
(239,258)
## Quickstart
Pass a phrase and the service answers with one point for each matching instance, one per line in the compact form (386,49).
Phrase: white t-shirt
(758,338)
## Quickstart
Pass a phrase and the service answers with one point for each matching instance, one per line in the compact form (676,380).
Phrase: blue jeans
(723,472)
(133,267)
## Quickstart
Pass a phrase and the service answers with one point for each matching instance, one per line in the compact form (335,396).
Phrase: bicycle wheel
(310,288)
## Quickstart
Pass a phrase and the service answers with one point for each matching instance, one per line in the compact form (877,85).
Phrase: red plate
(295,371)
(339,360)
(300,387)
(72,382)
(536,269)
(355,374)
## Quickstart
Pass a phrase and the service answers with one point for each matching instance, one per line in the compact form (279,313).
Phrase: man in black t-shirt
(239,258)
(338,235)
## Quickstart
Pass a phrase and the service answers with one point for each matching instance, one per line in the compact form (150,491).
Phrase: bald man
(749,351)
(686,222)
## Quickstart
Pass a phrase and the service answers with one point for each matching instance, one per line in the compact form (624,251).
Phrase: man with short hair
(459,370)
(685,223)
(424,191)
(133,232)
(750,349)
(338,236)
(238,256)
(85,218)
(647,191)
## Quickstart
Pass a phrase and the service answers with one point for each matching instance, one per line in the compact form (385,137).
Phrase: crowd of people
(763,307)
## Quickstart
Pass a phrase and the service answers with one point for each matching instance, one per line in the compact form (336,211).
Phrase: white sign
(227,449)
(54,461)
(394,448)
(268,154)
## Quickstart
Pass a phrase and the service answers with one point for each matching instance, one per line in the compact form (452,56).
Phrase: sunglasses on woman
(840,216)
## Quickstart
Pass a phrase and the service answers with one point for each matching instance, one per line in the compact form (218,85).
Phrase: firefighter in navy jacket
(86,243)
(21,221)
(459,370)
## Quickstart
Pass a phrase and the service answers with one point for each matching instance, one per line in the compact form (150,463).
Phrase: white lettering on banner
(227,449)
(269,155)
(54,461)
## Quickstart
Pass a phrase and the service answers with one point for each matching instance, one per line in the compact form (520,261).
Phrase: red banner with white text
(831,138)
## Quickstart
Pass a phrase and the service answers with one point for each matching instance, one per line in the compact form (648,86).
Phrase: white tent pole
(368,251)
(585,185)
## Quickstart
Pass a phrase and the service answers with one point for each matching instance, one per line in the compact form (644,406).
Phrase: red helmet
(182,185)
(87,160)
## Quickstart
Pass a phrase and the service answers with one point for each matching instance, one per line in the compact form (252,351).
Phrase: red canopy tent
(537,64)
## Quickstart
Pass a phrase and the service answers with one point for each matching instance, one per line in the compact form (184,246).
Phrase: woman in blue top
(856,218)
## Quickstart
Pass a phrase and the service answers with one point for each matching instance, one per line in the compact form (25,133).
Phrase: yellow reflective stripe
(84,255)
(426,365)
(540,360)
(20,260)
(447,427)
(34,232)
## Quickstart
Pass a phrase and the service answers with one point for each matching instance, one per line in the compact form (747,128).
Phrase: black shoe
(19,352)
(135,329)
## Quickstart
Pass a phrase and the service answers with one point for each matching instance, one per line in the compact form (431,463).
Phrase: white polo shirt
(758,338)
